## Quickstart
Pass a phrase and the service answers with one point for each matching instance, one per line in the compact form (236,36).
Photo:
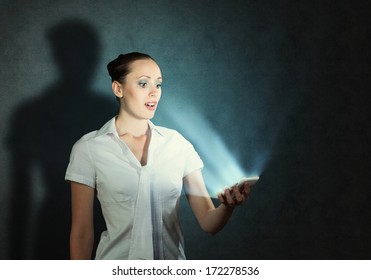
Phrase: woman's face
(141,90)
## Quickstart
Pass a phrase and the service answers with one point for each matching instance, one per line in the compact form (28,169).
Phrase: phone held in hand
(252,181)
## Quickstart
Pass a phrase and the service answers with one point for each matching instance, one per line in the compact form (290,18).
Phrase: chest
(138,146)
(119,177)
(119,180)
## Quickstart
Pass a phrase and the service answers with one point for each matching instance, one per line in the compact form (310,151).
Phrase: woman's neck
(127,124)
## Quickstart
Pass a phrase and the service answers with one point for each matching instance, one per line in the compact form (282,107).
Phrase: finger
(246,190)
(237,195)
(221,198)
(228,197)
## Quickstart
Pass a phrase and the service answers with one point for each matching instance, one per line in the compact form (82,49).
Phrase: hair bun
(111,66)
(119,67)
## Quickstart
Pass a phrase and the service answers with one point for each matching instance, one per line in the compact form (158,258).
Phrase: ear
(117,89)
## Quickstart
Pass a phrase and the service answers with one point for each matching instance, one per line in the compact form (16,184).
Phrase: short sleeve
(81,168)
(193,160)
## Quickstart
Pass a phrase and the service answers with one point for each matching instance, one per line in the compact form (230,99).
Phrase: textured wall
(282,84)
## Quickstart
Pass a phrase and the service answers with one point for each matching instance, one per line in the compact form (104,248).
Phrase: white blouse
(140,204)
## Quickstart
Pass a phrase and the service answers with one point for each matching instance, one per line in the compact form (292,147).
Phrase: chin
(149,116)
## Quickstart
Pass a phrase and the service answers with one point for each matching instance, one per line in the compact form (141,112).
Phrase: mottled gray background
(283,85)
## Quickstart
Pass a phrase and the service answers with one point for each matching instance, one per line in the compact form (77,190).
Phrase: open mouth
(150,105)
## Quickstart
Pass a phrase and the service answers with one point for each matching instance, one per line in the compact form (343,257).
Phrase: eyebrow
(145,76)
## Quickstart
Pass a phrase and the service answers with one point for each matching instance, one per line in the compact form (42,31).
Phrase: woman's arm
(82,229)
(211,219)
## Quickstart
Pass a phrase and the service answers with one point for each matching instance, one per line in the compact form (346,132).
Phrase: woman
(138,171)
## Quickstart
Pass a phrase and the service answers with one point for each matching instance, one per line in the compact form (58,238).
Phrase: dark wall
(287,81)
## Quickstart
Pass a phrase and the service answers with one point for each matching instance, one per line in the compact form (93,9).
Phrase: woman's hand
(235,196)
(212,219)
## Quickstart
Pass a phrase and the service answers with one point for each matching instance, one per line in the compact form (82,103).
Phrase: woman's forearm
(82,229)
(215,219)
(81,246)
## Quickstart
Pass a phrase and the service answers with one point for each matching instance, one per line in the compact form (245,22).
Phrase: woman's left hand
(234,196)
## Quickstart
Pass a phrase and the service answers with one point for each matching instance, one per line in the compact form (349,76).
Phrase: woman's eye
(142,84)
(158,85)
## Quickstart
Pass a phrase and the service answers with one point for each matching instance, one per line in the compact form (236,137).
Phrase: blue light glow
(221,167)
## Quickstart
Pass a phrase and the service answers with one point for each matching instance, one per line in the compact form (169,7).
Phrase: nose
(154,91)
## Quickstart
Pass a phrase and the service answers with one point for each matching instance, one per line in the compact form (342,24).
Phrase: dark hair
(120,67)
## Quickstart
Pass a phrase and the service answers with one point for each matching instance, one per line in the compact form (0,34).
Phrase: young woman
(138,171)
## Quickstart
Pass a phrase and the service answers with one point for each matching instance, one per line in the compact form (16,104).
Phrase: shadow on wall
(42,133)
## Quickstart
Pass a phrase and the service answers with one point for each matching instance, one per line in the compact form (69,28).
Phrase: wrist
(227,207)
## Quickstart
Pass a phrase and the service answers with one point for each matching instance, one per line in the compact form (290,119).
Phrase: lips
(151,105)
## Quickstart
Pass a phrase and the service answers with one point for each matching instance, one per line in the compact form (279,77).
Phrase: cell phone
(252,180)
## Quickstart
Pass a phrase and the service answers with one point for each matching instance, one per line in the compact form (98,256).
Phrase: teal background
(283,84)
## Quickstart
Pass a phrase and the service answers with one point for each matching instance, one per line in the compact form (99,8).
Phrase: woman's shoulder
(88,136)
(81,144)
(107,128)
(173,136)
(168,132)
